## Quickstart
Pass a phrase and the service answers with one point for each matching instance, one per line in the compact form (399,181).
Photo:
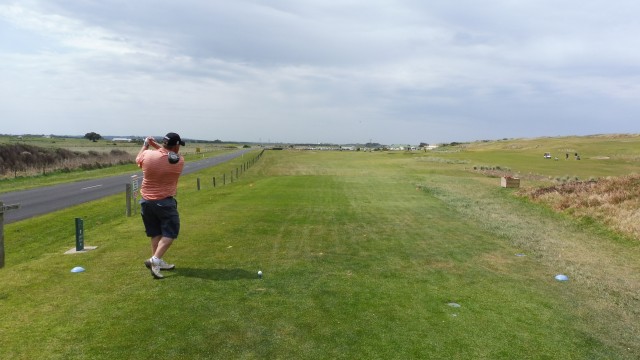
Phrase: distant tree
(93,136)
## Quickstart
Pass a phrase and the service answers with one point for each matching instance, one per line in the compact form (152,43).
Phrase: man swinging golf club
(161,169)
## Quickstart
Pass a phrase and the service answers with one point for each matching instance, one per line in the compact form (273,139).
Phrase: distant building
(398,147)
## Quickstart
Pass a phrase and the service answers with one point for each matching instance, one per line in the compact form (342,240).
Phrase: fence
(239,170)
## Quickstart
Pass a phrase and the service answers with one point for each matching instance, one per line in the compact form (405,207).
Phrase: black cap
(173,139)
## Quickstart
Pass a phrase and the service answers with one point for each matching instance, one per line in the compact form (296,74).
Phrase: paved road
(47,199)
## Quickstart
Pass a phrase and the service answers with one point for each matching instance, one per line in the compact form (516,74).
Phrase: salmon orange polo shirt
(160,178)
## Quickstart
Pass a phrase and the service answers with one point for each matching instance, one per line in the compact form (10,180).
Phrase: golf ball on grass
(260,274)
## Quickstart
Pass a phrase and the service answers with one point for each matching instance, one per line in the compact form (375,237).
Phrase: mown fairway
(365,256)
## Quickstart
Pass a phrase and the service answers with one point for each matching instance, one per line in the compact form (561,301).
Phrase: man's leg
(154,244)
(162,246)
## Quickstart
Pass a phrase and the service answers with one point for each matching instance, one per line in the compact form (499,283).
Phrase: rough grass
(29,161)
(613,201)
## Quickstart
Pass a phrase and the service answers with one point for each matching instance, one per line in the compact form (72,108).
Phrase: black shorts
(160,217)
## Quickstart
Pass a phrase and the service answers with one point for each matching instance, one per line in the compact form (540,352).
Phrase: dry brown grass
(29,160)
(614,201)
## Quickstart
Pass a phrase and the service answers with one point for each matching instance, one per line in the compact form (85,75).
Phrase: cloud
(392,71)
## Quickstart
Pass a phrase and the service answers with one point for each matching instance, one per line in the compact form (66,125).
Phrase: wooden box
(509,182)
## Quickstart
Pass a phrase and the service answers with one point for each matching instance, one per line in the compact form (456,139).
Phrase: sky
(320,71)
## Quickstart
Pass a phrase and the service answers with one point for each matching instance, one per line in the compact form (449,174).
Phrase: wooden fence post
(128,194)
(4,209)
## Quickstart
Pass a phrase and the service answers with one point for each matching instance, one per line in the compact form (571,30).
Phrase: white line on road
(91,187)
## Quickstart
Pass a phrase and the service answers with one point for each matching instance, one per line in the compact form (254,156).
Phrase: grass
(600,155)
(362,253)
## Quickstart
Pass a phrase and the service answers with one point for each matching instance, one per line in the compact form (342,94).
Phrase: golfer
(161,168)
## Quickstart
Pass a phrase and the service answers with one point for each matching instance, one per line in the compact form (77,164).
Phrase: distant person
(161,169)
(566,156)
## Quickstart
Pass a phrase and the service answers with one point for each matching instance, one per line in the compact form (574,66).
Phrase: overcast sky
(343,71)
